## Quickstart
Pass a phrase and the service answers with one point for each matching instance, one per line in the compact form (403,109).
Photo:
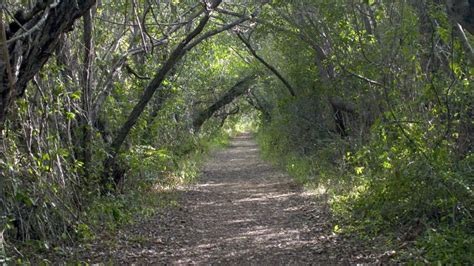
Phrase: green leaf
(370,2)
(359,170)
(76,95)
(21,197)
(70,115)
(387,165)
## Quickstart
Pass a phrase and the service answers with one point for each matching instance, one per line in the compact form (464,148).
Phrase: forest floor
(242,210)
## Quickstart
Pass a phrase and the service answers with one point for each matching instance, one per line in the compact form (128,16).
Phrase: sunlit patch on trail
(244,211)
(239,221)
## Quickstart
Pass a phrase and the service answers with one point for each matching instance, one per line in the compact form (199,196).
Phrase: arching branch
(237,90)
(267,65)
(257,103)
(112,171)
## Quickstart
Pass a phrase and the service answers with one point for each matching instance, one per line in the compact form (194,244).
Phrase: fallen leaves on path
(242,211)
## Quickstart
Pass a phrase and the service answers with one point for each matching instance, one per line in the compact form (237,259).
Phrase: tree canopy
(371,99)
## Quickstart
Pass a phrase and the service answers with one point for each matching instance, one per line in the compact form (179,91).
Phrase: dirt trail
(242,211)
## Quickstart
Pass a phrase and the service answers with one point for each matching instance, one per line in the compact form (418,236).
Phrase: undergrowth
(151,180)
(416,200)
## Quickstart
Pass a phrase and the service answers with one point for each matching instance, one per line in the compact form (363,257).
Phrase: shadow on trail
(242,211)
(246,211)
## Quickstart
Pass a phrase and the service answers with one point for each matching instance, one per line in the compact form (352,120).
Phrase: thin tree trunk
(87,78)
(5,91)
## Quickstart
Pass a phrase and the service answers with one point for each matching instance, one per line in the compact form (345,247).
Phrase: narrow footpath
(241,211)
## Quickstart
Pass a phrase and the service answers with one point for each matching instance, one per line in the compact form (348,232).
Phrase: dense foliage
(372,101)
(383,119)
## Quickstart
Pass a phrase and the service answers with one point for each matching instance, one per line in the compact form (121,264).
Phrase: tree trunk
(113,173)
(87,78)
(31,50)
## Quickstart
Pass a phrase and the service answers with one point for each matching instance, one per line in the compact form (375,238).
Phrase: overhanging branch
(267,65)
(237,90)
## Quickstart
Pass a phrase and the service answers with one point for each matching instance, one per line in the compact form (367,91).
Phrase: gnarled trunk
(31,44)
